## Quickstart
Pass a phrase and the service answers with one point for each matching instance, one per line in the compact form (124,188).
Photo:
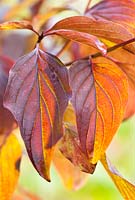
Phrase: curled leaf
(126,188)
(71,175)
(69,115)
(37,94)
(71,149)
(10,157)
(99,97)
(84,38)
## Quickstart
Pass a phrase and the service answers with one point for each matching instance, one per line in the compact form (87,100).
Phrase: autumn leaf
(126,188)
(71,175)
(37,94)
(122,56)
(7,121)
(84,38)
(99,97)
(101,28)
(40,20)
(71,149)
(10,156)
(16,25)
(130,108)
(69,115)
(122,12)
(129,70)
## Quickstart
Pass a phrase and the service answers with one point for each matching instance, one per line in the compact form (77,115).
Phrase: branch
(110,49)
(87,7)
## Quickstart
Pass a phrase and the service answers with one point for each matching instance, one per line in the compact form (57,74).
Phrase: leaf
(121,12)
(84,38)
(100,28)
(123,56)
(130,108)
(15,44)
(37,94)
(10,156)
(16,25)
(40,20)
(99,97)
(71,175)
(69,115)
(7,121)
(71,149)
(126,188)
(129,70)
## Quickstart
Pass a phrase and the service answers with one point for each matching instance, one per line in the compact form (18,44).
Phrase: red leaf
(122,12)
(84,38)
(7,122)
(37,95)
(99,97)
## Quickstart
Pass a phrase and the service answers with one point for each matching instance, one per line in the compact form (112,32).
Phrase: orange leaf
(41,19)
(99,96)
(130,108)
(71,175)
(120,12)
(84,38)
(100,28)
(16,25)
(37,94)
(10,156)
(123,56)
(126,188)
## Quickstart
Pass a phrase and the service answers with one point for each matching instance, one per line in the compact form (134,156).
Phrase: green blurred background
(99,185)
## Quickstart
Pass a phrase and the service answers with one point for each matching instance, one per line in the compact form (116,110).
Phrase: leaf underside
(37,95)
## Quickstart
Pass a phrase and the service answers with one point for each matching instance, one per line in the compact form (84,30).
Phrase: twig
(87,6)
(110,49)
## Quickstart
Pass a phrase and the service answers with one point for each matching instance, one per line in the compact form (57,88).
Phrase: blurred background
(99,185)
(121,151)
